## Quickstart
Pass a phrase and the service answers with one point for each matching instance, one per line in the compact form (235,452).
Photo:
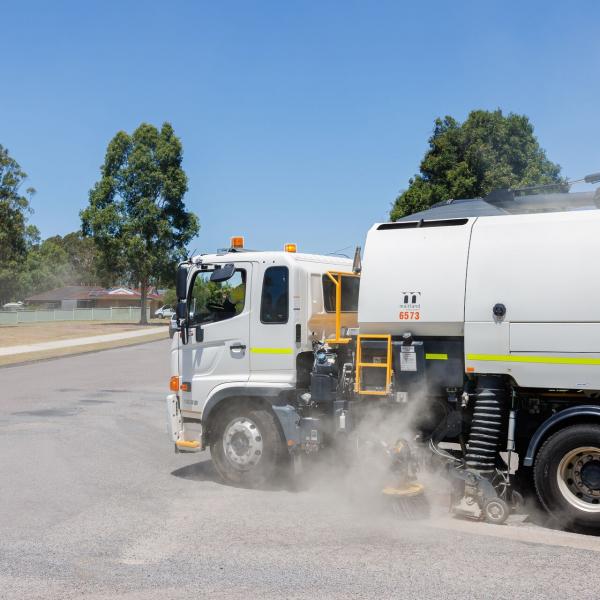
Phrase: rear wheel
(567,476)
(247,447)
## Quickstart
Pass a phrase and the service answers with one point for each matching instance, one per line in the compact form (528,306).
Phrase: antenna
(357,264)
(192,254)
(339,252)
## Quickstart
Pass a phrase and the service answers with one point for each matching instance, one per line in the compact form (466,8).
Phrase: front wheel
(567,476)
(247,448)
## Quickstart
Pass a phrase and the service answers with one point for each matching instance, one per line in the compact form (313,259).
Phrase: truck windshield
(211,301)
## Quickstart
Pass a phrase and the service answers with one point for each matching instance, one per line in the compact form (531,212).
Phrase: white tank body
(542,268)
(413,279)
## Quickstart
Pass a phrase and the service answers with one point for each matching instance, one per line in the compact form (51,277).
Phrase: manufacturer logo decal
(412,300)
(410,307)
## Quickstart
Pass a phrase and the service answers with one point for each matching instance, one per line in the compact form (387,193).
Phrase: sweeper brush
(408,502)
(405,495)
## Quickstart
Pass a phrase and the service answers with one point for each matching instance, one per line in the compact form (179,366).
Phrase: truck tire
(567,477)
(247,447)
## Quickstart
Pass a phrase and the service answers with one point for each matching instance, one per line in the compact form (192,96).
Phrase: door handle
(237,347)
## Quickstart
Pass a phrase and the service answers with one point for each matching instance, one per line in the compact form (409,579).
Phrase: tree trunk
(143,299)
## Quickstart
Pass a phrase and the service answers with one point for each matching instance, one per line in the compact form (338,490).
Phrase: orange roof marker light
(290,248)
(237,242)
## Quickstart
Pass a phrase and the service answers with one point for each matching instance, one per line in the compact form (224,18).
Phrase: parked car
(13,306)
(164,312)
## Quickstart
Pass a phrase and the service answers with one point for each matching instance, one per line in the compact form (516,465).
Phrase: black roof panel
(497,205)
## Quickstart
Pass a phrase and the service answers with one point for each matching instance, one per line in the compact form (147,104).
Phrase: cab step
(188,445)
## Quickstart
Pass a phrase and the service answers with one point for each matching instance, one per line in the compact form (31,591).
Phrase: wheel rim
(495,510)
(242,443)
(578,477)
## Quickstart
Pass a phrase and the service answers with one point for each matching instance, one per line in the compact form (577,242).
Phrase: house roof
(89,292)
(70,292)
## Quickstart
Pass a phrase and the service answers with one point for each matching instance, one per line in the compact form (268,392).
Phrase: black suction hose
(488,416)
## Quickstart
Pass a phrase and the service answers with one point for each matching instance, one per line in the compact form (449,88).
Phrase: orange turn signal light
(237,241)
(290,248)
(174,383)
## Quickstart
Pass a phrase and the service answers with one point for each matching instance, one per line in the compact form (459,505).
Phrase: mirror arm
(183,331)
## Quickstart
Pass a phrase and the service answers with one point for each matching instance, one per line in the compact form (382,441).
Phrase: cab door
(219,329)
(273,350)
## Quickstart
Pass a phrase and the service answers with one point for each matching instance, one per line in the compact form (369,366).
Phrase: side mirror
(181,283)
(223,274)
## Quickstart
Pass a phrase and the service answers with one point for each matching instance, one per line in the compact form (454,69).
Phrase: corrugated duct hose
(488,418)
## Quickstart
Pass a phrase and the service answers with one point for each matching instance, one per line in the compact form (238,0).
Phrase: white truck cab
(247,335)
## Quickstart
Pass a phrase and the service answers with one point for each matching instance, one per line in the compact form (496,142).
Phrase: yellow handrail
(387,365)
(336,279)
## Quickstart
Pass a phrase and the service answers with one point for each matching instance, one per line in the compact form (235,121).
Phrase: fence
(77,314)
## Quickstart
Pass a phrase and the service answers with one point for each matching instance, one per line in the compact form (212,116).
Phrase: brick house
(87,296)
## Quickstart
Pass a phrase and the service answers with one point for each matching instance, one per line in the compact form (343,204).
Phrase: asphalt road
(95,504)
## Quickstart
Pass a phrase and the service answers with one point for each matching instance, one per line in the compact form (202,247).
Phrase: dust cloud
(383,450)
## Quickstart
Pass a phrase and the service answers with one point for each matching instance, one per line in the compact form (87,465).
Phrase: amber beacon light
(290,248)
(237,242)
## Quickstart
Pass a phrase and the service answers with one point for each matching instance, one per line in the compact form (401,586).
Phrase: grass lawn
(33,333)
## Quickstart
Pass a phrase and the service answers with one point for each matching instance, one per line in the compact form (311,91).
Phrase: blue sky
(300,121)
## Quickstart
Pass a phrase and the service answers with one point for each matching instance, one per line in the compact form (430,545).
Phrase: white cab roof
(269,256)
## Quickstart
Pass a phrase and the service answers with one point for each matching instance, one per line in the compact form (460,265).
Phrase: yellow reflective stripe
(549,360)
(436,357)
(271,350)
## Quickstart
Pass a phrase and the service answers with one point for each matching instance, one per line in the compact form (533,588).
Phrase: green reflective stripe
(436,357)
(549,360)
(271,350)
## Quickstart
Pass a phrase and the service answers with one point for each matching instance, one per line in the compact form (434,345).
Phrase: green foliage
(170,297)
(488,151)
(82,256)
(60,261)
(136,214)
(16,236)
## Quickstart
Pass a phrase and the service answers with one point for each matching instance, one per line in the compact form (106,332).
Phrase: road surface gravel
(95,504)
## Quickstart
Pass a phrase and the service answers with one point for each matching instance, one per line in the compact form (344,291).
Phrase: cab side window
(210,302)
(274,304)
(350,287)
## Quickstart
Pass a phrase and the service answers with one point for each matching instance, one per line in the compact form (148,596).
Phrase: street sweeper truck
(479,318)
